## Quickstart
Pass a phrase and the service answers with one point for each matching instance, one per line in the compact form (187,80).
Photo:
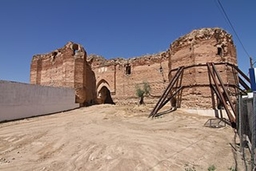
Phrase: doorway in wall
(105,96)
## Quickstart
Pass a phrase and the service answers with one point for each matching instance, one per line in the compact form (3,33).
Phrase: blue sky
(113,28)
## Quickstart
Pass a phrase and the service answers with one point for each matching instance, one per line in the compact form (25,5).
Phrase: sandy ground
(116,138)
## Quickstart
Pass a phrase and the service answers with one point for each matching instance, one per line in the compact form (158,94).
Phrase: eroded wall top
(99,61)
(70,49)
(221,36)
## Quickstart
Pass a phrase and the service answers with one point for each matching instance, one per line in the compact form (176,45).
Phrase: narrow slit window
(128,69)
(219,51)
(54,54)
(75,49)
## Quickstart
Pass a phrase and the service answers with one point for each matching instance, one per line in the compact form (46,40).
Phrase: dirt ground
(116,138)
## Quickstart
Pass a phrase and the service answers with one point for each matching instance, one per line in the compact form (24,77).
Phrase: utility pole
(251,63)
(252,74)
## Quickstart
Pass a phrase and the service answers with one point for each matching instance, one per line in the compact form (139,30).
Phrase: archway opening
(105,96)
(127,69)
(219,51)
(75,48)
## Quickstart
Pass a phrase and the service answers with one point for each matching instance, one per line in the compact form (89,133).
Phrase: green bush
(211,168)
(143,91)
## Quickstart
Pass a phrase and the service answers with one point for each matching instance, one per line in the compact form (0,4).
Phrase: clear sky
(113,28)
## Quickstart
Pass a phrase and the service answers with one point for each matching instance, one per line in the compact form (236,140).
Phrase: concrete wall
(20,100)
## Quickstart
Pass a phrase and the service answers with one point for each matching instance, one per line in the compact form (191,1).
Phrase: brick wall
(94,78)
(121,76)
(199,47)
(64,67)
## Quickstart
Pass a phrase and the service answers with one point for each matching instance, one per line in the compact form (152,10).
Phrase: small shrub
(232,169)
(139,92)
(211,168)
(188,168)
(142,92)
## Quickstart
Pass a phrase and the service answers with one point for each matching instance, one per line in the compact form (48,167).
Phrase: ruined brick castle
(98,80)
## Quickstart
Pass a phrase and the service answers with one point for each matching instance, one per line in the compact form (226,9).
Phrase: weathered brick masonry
(98,80)
(121,76)
(65,67)
(199,47)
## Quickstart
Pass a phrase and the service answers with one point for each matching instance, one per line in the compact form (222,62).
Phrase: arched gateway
(103,92)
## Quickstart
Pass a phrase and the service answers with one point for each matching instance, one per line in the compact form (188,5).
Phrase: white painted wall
(20,100)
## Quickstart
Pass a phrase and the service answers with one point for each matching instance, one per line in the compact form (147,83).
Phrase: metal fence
(246,122)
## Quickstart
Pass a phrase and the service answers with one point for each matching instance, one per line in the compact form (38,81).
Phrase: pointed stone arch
(103,92)
(102,83)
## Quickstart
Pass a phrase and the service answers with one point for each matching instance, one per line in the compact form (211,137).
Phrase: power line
(232,27)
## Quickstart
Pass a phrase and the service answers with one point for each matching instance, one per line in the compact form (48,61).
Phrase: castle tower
(65,67)
(198,48)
